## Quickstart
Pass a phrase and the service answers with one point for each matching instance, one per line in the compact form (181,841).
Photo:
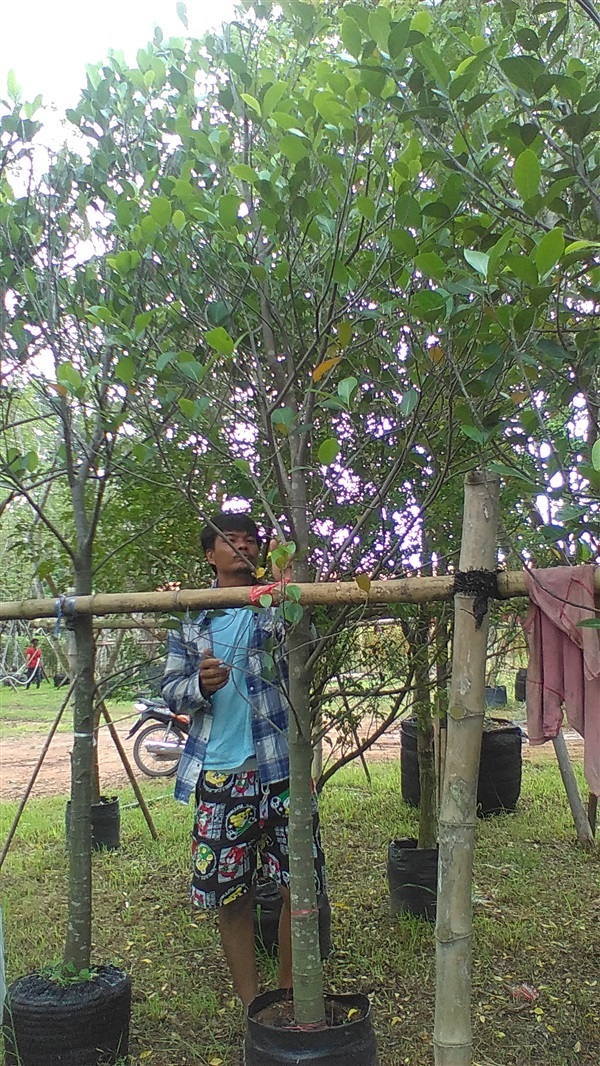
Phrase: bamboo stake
(452,1030)
(127,767)
(582,825)
(404,590)
(34,774)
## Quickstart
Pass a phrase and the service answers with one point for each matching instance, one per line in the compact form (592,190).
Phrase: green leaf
(589,623)
(292,612)
(527,174)
(295,148)
(272,96)
(429,305)
(266,600)
(549,251)
(478,260)
(220,340)
(398,36)
(379,28)
(431,265)
(178,220)
(125,369)
(366,207)
(346,387)
(229,205)
(329,451)
(181,9)
(344,333)
(160,211)
(282,416)
(244,173)
(508,471)
(293,592)
(523,268)
(408,402)
(523,71)
(68,375)
(142,320)
(187,407)
(421,22)
(12,86)
(351,37)
(474,433)
(596,455)
(251,102)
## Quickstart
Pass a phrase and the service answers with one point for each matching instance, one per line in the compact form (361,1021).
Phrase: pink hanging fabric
(564,660)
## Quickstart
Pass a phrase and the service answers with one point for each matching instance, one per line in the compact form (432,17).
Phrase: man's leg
(236,927)
(285,940)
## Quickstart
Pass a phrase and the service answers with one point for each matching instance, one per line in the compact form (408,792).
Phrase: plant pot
(521,684)
(267,908)
(84,1024)
(495,695)
(500,766)
(412,878)
(349,1044)
(106,823)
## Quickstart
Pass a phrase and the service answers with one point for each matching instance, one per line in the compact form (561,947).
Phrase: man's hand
(213,674)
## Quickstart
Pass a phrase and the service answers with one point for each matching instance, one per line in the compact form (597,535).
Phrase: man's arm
(180,685)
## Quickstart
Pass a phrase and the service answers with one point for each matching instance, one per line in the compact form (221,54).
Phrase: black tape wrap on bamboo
(482,585)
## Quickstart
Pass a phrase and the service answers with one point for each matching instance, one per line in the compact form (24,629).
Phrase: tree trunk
(79,928)
(452,1031)
(306,955)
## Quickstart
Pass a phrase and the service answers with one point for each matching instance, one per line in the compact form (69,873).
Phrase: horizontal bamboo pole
(404,590)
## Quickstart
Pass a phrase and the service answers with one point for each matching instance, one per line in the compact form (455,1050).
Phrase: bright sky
(48,42)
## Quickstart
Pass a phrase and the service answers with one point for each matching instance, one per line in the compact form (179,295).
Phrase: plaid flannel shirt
(268,701)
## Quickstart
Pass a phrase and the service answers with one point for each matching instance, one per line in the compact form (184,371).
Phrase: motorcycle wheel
(149,764)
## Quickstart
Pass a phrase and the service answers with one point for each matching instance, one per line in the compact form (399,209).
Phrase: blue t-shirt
(231,742)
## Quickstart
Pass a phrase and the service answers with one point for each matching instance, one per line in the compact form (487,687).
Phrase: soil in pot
(106,823)
(267,908)
(273,1040)
(412,878)
(500,766)
(80,1024)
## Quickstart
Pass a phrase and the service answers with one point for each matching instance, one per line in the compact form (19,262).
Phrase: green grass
(25,710)
(536,921)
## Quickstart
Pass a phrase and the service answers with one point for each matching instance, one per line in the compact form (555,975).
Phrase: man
(33,662)
(236,757)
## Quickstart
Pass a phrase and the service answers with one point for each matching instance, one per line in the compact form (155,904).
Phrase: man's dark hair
(226,522)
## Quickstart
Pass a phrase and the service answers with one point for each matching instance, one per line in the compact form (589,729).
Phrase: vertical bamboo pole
(452,1031)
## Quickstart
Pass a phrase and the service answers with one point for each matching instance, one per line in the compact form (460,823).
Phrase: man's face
(232,567)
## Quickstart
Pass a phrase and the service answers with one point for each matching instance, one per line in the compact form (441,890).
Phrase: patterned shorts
(238,820)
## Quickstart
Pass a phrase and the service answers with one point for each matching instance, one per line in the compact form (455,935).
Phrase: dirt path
(19,755)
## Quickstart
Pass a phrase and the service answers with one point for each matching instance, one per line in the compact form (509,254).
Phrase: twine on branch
(482,585)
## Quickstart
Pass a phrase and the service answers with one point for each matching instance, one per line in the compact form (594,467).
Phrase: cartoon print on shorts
(281,836)
(204,858)
(233,862)
(203,899)
(244,784)
(272,867)
(209,819)
(281,803)
(233,894)
(217,782)
(239,821)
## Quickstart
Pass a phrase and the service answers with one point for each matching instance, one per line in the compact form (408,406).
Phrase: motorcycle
(159,746)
